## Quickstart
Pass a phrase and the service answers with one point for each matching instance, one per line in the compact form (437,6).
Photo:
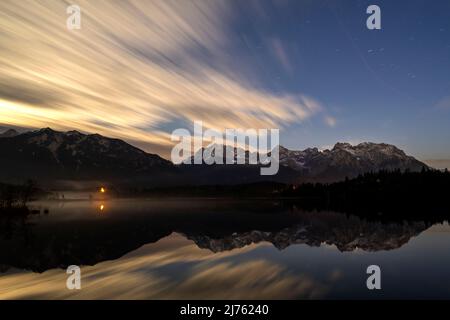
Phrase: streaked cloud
(134,67)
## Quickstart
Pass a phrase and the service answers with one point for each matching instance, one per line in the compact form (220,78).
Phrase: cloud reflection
(143,274)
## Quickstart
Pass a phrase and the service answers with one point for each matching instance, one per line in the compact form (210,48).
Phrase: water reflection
(215,249)
(72,235)
(176,269)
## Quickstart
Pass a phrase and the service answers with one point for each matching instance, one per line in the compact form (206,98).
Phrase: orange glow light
(102,190)
(102,207)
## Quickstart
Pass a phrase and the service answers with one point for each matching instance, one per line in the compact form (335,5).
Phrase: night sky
(137,70)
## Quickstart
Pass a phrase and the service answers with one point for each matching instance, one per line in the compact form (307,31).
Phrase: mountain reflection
(76,234)
(346,233)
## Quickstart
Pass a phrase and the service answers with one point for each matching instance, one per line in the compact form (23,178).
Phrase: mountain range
(345,160)
(47,155)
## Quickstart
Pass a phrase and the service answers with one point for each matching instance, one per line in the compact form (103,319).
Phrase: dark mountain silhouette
(46,155)
(9,133)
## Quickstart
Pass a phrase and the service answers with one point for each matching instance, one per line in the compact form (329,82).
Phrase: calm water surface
(208,249)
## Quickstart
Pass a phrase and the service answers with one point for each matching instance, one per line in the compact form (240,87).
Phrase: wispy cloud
(444,103)
(133,67)
(438,163)
(280,53)
(330,121)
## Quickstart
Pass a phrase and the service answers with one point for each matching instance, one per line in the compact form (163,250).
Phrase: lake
(217,249)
